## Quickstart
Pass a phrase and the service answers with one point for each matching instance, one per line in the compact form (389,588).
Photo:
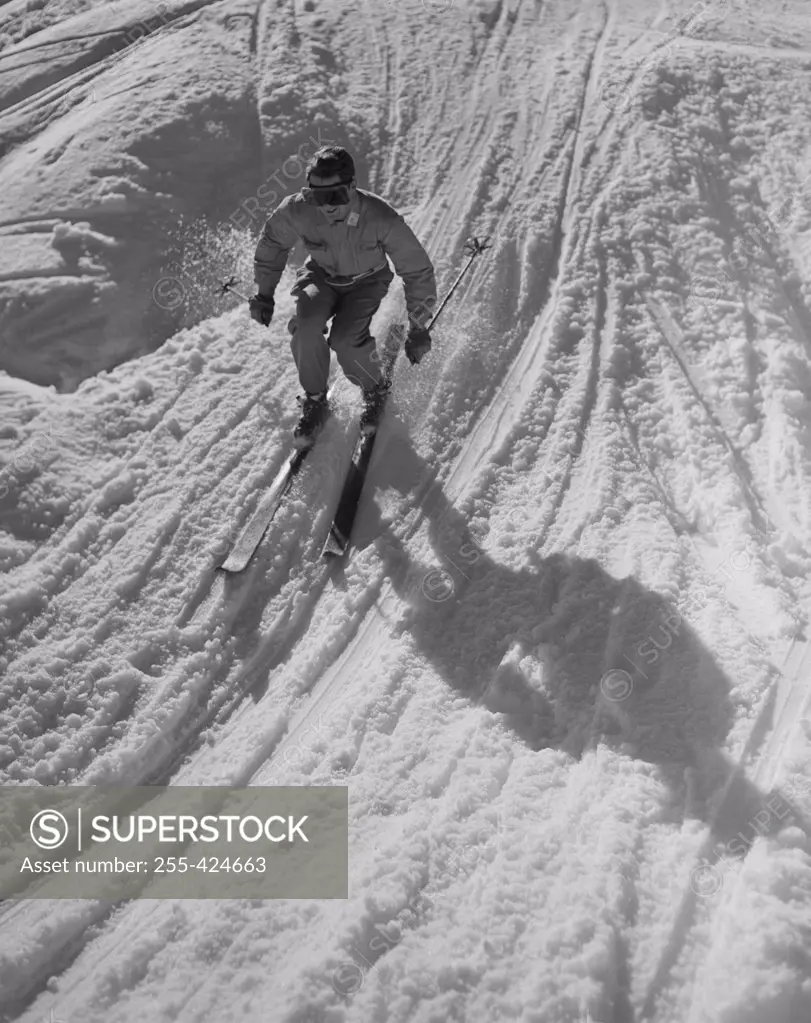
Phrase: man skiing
(348,233)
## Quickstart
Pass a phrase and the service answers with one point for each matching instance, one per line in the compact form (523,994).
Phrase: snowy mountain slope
(566,670)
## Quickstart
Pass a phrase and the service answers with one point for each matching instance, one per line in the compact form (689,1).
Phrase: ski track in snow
(605,458)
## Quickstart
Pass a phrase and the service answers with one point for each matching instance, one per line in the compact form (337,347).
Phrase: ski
(340,531)
(255,528)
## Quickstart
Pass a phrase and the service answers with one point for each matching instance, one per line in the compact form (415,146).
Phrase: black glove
(417,344)
(261,307)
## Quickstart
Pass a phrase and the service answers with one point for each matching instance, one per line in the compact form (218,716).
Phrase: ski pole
(476,247)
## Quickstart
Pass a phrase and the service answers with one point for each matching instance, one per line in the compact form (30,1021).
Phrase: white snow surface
(565,671)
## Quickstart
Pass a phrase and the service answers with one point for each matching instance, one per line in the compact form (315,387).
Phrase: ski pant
(351,308)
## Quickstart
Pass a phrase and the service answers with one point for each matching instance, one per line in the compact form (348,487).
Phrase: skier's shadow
(565,652)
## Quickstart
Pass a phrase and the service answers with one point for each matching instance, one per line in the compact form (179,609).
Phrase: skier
(348,233)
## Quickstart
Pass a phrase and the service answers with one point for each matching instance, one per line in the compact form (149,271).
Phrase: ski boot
(374,401)
(314,411)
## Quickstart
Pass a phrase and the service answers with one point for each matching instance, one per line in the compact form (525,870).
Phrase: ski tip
(231,565)
(334,546)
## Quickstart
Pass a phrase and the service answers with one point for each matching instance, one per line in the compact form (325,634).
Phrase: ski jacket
(372,231)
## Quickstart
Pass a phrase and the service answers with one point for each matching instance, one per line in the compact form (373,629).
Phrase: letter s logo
(49,829)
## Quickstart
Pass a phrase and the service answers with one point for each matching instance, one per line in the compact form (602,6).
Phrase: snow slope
(565,674)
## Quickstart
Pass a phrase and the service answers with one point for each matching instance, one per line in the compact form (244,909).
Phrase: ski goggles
(331,195)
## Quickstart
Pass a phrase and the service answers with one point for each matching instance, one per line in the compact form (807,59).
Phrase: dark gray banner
(176,842)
